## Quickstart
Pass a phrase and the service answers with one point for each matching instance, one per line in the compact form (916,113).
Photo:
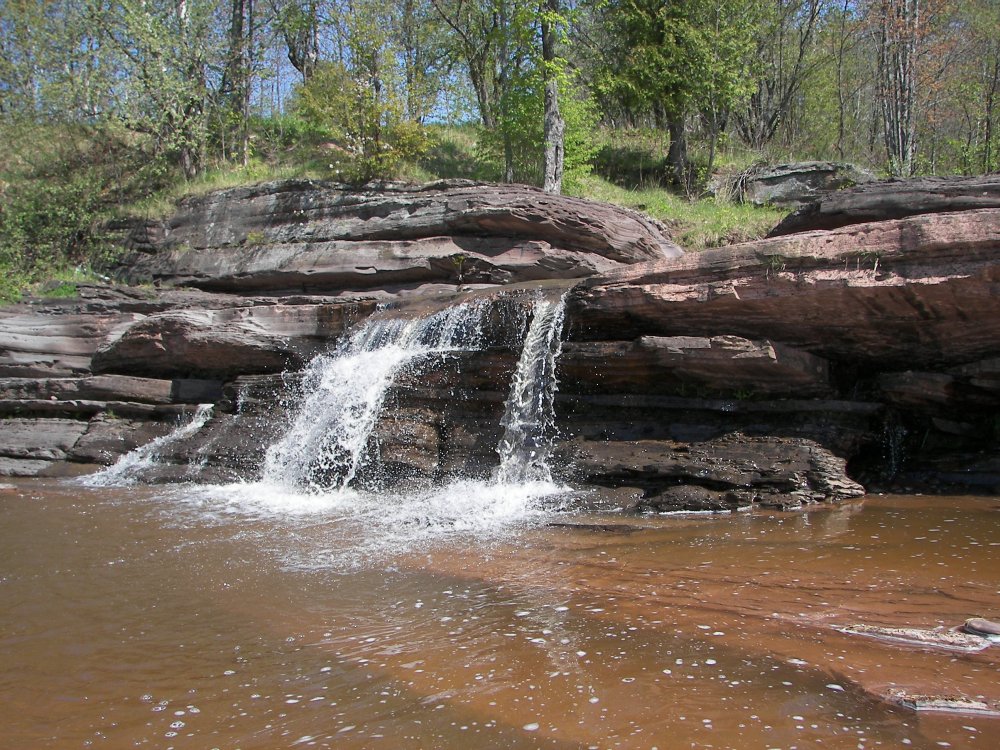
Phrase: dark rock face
(892,199)
(723,474)
(791,185)
(781,372)
(305,236)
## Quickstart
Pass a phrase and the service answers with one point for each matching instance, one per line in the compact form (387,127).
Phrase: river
(193,617)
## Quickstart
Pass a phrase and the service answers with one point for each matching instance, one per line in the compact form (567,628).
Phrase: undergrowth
(60,185)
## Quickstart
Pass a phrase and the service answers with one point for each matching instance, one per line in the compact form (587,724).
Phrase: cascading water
(529,416)
(327,441)
(131,466)
(314,466)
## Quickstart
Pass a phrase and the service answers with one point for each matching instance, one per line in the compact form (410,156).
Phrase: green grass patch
(695,224)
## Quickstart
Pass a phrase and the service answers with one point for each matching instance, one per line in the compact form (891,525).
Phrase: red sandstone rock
(922,290)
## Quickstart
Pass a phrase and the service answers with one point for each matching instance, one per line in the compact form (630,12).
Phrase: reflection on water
(243,618)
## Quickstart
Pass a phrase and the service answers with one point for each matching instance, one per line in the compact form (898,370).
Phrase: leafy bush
(521,129)
(58,185)
(365,123)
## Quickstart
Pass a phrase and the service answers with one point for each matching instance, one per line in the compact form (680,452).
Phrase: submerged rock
(982,627)
(948,640)
(955,704)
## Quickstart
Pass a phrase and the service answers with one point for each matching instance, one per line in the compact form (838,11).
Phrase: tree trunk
(555,126)
(236,77)
(677,154)
(897,37)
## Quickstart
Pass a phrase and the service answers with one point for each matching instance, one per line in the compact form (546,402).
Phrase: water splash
(130,468)
(310,470)
(529,416)
(329,436)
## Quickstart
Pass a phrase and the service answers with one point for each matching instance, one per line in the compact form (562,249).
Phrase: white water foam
(529,416)
(327,441)
(130,468)
(306,482)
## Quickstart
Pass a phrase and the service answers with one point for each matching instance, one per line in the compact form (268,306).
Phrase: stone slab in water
(732,471)
(948,640)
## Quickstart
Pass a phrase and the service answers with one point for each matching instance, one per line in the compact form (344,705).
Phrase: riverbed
(188,617)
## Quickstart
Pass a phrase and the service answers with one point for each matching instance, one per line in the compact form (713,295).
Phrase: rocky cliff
(791,370)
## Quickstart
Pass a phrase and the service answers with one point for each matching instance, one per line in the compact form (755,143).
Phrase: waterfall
(313,466)
(529,416)
(130,467)
(329,436)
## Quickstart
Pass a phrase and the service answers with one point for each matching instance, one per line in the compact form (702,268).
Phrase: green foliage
(677,58)
(452,153)
(370,136)
(694,224)
(58,186)
(520,129)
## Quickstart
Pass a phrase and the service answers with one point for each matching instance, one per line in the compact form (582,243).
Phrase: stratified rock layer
(320,237)
(892,199)
(781,372)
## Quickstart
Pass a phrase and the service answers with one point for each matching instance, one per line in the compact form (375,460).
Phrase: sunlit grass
(694,224)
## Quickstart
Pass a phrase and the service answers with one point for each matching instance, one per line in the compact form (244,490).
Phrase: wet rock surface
(782,372)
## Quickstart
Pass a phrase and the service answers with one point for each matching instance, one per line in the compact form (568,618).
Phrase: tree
(297,21)
(495,39)
(675,59)
(554,124)
(783,43)
(898,27)
(237,74)
(163,49)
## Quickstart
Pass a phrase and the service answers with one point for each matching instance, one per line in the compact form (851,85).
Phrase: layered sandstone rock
(307,236)
(779,372)
(892,199)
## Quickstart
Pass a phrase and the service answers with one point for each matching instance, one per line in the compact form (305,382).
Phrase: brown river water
(191,618)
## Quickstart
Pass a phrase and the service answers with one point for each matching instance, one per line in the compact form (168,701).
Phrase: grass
(56,193)
(694,224)
(163,203)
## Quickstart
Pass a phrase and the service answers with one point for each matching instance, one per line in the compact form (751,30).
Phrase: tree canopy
(104,101)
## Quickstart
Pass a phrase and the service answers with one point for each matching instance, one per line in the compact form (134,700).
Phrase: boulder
(312,236)
(892,199)
(799,182)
